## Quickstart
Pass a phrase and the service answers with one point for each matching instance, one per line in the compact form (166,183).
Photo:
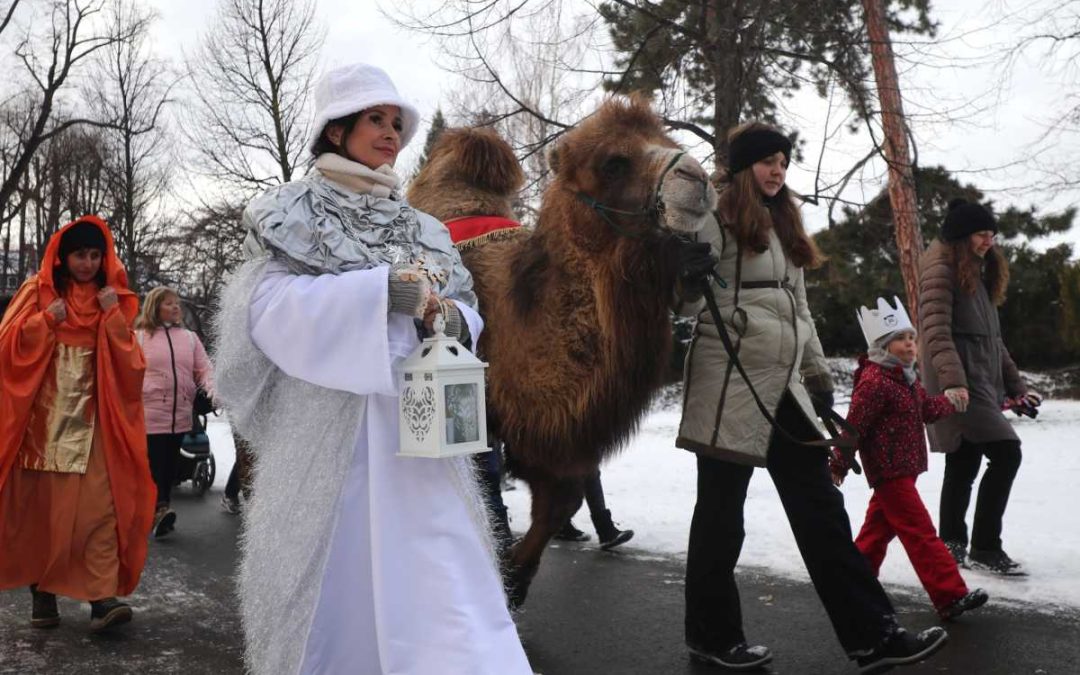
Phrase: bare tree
(132,88)
(250,79)
(62,35)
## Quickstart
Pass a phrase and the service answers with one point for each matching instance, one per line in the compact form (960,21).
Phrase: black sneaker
(903,649)
(617,538)
(571,533)
(997,562)
(973,600)
(108,612)
(958,549)
(164,522)
(740,657)
(44,613)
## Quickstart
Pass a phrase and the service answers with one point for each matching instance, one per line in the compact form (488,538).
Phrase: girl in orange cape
(76,498)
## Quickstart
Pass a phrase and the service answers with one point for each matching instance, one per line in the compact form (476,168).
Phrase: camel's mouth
(687,195)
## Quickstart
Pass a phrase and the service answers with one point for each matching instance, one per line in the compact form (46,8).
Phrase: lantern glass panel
(462,413)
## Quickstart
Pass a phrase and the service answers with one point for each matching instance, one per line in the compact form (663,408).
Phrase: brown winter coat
(777,345)
(961,346)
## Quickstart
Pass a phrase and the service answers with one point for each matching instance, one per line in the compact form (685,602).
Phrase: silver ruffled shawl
(303,434)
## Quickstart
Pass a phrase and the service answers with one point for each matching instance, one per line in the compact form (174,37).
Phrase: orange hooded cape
(28,337)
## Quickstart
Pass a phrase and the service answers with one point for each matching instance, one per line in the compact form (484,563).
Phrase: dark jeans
(961,468)
(490,468)
(861,614)
(232,485)
(164,451)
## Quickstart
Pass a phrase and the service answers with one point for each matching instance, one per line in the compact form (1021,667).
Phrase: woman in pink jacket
(176,366)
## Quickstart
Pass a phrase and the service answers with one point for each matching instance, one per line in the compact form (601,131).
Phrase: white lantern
(442,405)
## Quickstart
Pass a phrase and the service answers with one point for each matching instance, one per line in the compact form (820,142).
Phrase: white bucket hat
(350,89)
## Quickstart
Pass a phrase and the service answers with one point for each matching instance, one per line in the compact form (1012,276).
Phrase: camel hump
(481,159)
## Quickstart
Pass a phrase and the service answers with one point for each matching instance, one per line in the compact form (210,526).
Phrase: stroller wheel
(202,479)
(213,469)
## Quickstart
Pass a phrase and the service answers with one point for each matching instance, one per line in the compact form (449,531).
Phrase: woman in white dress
(354,560)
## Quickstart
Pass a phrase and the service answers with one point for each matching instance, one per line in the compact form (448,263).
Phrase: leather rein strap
(653,209)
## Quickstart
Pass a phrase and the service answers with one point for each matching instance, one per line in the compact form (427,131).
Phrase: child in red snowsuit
(889,409)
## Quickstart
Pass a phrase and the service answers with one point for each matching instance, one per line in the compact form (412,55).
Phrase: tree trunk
(901,176)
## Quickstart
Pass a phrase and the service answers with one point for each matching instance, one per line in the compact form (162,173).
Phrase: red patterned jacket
(890,415)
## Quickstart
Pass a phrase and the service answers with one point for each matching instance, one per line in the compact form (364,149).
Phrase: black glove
(822,401)
(695,261)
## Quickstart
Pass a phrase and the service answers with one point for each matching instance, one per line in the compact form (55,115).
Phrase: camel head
(621,164)
(469,172)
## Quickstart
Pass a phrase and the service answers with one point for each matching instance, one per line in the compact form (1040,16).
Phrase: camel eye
(615,167)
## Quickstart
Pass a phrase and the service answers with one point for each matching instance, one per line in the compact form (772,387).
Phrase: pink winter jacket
(168,392)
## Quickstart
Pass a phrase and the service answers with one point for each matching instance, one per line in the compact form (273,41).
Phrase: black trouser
(961,468)
(594,494)
(164,450)
(232,485)
(861,614)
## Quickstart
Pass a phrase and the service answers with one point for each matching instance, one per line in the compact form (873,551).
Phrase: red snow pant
(897,510)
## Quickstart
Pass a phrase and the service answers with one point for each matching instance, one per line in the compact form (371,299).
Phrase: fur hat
(883,321)
(352,89)
(965,218)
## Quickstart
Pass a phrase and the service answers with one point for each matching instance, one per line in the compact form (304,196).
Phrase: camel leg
(554,501)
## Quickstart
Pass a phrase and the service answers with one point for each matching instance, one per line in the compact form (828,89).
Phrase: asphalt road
(589,612)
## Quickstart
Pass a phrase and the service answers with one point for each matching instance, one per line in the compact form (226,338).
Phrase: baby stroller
(196,461)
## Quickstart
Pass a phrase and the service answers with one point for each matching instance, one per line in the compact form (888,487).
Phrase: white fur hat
(886,319)
(350,89)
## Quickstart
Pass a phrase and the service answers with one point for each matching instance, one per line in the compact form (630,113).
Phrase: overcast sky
(999,125)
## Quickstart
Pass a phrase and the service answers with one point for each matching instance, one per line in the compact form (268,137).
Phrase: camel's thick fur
(576,313)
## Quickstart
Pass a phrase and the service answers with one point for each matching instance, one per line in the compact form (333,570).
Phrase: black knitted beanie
(965,218)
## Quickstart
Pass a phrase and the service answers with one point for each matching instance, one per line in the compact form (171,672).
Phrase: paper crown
(877,323)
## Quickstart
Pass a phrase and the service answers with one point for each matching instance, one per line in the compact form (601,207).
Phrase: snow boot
(44,613)
(973,600)
(958,549)
(609,535)
(740,657)
(997,562)
(571,533)
(902,648)
(108,612)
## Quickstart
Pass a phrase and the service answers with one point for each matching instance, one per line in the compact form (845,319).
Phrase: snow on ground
(650,487)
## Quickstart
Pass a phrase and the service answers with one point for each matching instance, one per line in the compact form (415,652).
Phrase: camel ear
(553,156)
(488,161)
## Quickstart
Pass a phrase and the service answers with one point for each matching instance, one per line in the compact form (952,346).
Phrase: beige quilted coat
(778,346)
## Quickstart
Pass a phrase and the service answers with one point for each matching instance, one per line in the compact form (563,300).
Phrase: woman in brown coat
(962,282)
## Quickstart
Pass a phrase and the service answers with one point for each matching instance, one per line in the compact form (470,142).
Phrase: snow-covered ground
(650,487)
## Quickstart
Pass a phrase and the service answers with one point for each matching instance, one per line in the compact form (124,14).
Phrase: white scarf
(381,182)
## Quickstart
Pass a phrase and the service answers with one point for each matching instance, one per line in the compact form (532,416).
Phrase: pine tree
(438,126)
(864,264)
(734,58)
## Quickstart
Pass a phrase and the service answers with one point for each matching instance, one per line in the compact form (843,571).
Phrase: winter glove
(1026,404)
(409,290)
(695,261)
(823,402)
(958,396)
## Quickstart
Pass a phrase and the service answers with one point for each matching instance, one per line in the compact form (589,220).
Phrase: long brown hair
(992,270)
(148,318)
(750,217)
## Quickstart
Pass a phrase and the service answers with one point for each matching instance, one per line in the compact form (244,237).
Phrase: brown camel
(576,312)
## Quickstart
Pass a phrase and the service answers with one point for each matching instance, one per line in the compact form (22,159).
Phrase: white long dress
(408,585)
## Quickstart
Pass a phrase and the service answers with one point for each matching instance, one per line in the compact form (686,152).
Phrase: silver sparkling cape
(315,226)
(303,435)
